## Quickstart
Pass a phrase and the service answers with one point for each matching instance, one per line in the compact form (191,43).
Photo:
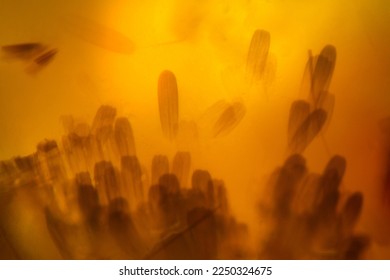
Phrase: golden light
(272,115)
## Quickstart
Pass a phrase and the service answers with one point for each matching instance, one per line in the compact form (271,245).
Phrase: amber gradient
(112,52)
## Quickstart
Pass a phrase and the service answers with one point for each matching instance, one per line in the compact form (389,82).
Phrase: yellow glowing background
(112,52)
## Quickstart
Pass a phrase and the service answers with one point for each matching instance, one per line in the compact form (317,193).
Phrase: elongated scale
(323,72)
(132,181)
(352,210)
(181,167)
(88,200)
(338,164)
(200,180)
(221,199)
(327,104)
(257,55)
(21,48)
(106,182)
(229,119)
(100,35)
(51,168)
(332,176)
(306,83)
(79,151)
(23,51)
(288,178)
(168,101)
(158,204)
(103,130)
(170,183)
(328,192)
(203,183)
(307,131)
(41,61)
(46,57)
(211,115)
(172,205)
(160,166)
(306,196)
(124,137)
(299,111)
(105,117)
